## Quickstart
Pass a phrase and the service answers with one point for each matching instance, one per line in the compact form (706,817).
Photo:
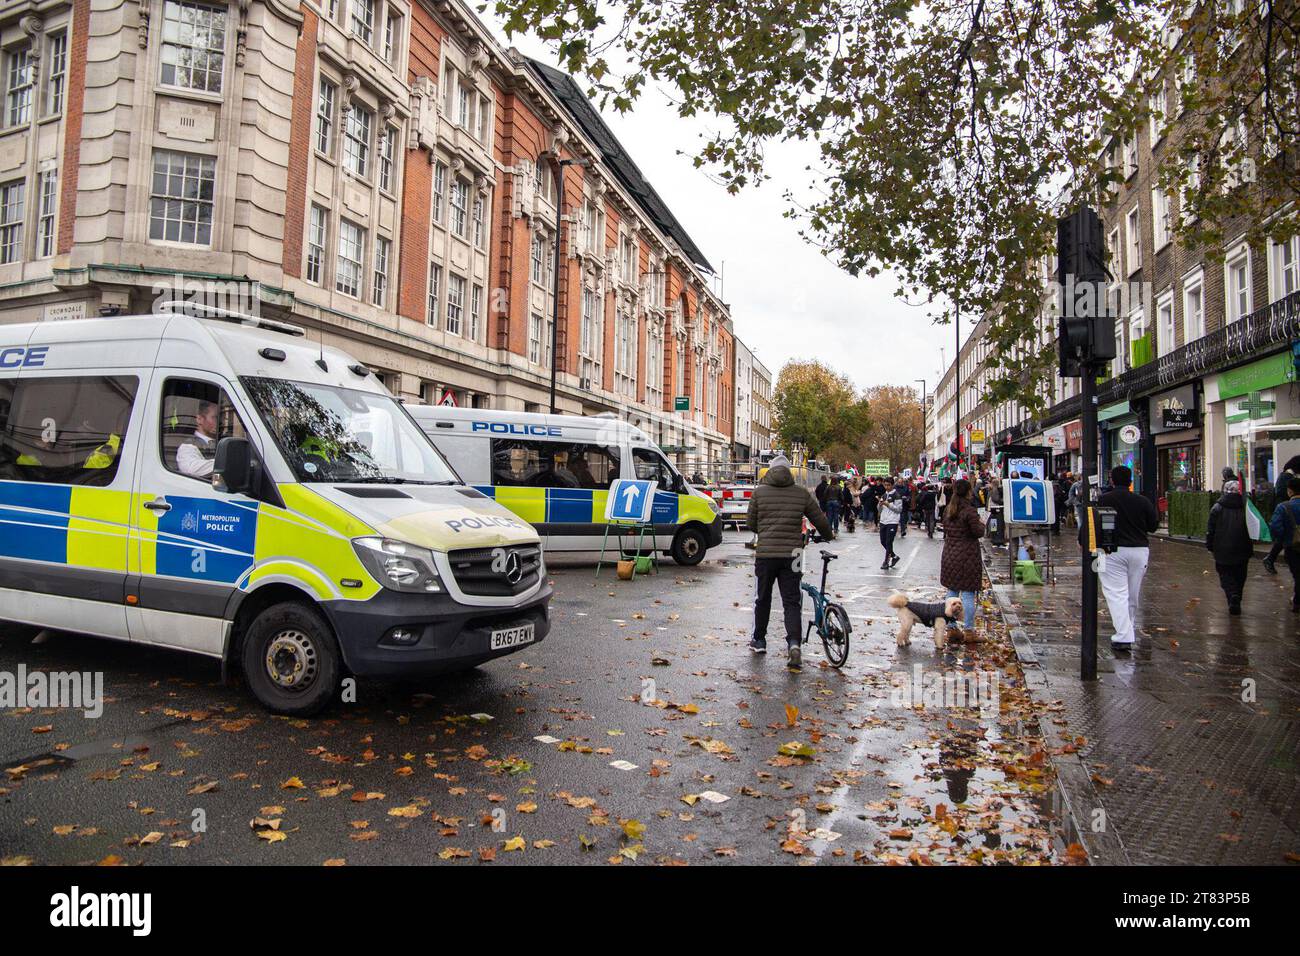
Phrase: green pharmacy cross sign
(1255,407)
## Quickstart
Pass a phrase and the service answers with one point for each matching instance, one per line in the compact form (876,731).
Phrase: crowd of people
(887,505)
(965,509)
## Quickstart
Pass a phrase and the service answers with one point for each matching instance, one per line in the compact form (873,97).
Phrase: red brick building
(380,172)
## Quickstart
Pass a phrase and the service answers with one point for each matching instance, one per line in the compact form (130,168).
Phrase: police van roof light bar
(201,310)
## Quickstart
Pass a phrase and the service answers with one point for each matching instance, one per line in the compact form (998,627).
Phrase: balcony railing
(1258,334)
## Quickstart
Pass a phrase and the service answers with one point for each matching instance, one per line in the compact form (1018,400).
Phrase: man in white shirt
(194,458)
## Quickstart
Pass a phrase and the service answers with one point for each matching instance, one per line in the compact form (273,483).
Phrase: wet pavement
(641,731)
(1191,744)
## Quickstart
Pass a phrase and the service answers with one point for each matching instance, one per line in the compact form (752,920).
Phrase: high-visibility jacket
(105,454)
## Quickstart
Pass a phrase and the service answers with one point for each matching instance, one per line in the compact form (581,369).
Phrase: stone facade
(380,172)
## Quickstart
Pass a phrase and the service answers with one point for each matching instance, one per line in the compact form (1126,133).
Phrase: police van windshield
(329,434)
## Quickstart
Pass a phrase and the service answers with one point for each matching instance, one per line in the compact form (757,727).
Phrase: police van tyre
(291,660)
(689,545)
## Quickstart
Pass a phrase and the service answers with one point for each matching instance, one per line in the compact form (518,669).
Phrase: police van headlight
(713,504)
(398,565)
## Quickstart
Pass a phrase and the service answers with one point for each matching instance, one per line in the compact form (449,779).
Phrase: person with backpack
(906,497)
(871,502)
(1228,539)
(928,500)
(1074,502)
(832,503)
(1275,552)
(821,491)
(1285,527)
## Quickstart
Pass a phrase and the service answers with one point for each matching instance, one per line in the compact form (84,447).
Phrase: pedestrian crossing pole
(1086,338)
(1088,643)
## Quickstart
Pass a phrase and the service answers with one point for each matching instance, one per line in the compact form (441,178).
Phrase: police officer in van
(196,455)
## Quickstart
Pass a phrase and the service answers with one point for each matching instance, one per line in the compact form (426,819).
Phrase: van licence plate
(512,637)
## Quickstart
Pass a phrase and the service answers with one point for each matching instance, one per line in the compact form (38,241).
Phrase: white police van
(222,486)
(555,471)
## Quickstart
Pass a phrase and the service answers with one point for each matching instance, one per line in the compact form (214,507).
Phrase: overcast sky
(787,300)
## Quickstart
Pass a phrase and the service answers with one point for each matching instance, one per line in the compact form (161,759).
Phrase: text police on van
(33,357)
(506,428)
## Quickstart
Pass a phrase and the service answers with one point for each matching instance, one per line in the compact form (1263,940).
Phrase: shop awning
(1287,428)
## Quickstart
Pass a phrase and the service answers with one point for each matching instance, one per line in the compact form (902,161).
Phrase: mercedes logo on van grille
(514,569)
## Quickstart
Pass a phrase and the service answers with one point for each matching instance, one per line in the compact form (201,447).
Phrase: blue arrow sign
(1030,502)
(630,500)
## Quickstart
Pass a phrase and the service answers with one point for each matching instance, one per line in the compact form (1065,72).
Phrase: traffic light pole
(1088,642)
(1086,339)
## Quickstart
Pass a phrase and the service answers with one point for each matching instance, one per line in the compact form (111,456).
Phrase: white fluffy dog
(935,615)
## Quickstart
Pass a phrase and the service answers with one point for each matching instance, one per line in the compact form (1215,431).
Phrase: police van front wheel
(689,546)
(291,661)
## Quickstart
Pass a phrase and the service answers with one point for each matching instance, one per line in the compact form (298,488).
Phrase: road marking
(896,572)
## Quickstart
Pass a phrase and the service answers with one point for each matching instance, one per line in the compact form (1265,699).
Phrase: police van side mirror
(232,470)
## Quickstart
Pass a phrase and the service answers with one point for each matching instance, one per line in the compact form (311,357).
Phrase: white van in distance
(554,471)
(221,485)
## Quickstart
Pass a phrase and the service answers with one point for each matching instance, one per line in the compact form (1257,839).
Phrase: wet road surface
(561,753)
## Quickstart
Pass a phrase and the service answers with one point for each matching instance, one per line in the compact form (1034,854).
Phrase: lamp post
(924,395)
(555,277)
(956,314)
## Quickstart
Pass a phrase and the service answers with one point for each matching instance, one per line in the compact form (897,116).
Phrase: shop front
(1176,426)
(1074,446)
(1126,450)
(1122,442)
(1261,415)
(1054,438)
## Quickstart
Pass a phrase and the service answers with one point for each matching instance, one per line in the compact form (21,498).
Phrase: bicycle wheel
(835,635)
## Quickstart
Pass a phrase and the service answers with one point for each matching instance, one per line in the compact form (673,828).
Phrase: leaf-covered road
(562,753)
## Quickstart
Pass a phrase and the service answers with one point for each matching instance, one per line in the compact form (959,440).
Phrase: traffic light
(1085,330)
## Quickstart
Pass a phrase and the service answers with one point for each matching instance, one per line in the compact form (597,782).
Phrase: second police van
(555,471)
(224,487)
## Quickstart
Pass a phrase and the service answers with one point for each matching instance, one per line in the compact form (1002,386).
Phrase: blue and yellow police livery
(226,488)
(554,471)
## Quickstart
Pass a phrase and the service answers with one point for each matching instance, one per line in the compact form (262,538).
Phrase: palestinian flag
(1256,526)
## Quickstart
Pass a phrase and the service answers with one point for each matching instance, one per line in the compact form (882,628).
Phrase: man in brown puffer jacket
(776,512)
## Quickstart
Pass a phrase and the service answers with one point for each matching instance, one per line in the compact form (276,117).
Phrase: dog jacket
(929,612)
